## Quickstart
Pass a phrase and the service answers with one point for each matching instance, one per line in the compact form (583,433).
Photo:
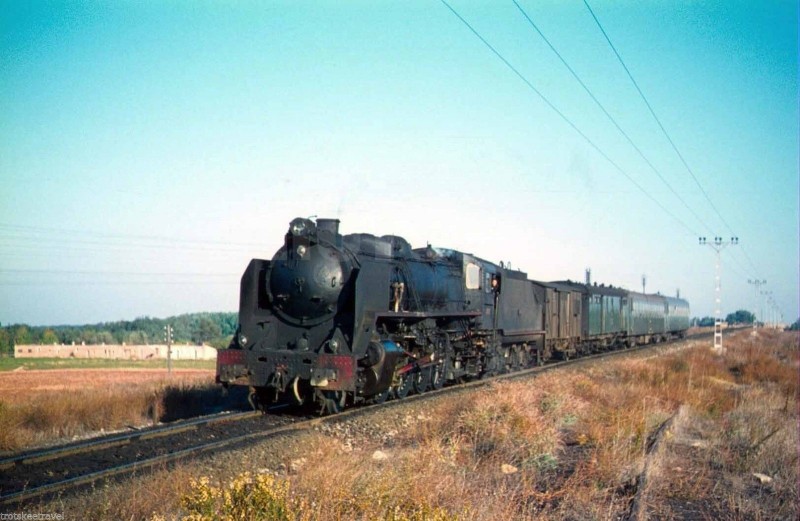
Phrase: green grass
(9,364)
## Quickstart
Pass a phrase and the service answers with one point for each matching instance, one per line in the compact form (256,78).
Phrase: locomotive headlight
(297,227)
(242,340)
(301,251)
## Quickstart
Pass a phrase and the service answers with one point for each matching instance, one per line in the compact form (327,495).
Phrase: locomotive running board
(422,314)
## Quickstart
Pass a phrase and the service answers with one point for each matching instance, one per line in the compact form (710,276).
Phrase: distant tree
(5,342)
(119,336)
(795,326)
(49,337)
(70,335)
(206,330)
(231,322)
(88,336)
(705,322)
(105,337)
(194,327)
(137,338)
(35,335)
(740,317)
(221,342)
(22,335)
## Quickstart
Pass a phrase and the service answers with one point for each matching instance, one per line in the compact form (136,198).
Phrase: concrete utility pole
(764,304)
(769,312)
(757,283)
(718,245)
(168,338)
(773,311)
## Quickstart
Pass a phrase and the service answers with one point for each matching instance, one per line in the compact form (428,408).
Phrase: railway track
(39,474)
(33,474)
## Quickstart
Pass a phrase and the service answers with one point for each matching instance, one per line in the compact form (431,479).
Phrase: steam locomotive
(334,320)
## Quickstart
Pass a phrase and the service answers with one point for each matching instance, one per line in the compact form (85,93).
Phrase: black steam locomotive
(333,319)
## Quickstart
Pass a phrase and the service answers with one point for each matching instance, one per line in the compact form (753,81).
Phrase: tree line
(741,316)
(215,329)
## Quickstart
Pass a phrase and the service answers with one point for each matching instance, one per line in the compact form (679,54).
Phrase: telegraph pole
(168,338)
(757,283)
(718,245)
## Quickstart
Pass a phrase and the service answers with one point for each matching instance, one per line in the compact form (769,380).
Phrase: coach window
(473,276)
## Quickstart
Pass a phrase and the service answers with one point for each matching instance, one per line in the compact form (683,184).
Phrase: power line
(609,116)
(740,270)
(655,117)
(565,118)
(746,256)
(44,277)
(193,283)
(126,273)
(36,243)
(16,239)
(663,129)
(105,235)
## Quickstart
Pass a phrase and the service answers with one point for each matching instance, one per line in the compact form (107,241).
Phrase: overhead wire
(127,273)
(35,243)
(36,277)
(663,129)
(29,242)
(610,117)
(580,132)
(117,282)
(567,119)
(105,235)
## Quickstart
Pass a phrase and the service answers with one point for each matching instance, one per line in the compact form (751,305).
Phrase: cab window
(473,276)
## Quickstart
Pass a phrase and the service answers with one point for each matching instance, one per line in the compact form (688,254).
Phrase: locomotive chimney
(328,230)
(328,225)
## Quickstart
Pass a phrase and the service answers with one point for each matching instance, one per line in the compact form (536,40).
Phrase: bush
(266,497)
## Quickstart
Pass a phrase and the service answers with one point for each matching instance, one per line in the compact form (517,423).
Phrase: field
(10,364)
(46,405)
(684,435)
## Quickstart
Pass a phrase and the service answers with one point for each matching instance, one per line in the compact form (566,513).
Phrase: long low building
(117,352)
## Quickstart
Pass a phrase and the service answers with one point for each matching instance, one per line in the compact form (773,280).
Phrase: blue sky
(148,150)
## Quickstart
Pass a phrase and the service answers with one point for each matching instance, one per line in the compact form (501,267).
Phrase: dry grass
(574,444)
(566,445)
(38,407)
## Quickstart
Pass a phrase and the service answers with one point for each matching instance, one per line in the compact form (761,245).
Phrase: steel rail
(23,495)
(120,439)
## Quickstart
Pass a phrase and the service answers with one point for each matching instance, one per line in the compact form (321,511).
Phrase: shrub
(266,497)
